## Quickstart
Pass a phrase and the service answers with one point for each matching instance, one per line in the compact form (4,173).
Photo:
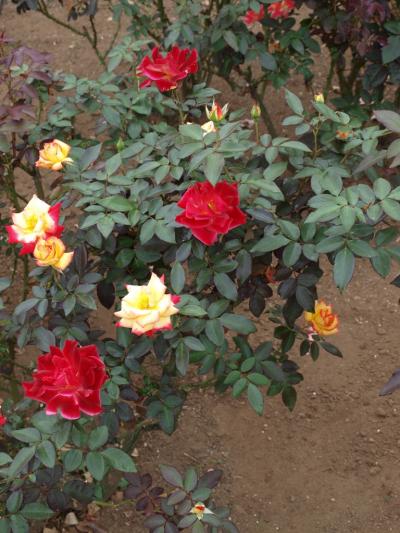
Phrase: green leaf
(5,459)
(119,460)
(213,167)
(96,465)
(225,286)
(275,170)
(361,248)
(391,208)
(231,39)
(238,387)
(192,310)
(113,164)
(26,435)
(295,145)
(382,188)
(258,379)
(289,397)
(25,306)
(72,460)
(391,51)
(177,277)
(238,323)
(21,460)
(5,526)
(268,61)
(389,119)
(270,243)
(98,437)
(343,268)
(294,102)
(105,226)
(19,524)
(190,480)
(215,331)
(47,453)
(255,398)
(194,344)
(192,131)
(89,156)
(36,511)
(116,203)
(171,476)
(182,358)
(14,501)
(291,254)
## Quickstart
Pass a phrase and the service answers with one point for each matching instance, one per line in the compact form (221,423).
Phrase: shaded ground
(332,465)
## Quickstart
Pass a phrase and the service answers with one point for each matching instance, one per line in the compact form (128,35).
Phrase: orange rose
(323,321)
(53,155)
(51,252)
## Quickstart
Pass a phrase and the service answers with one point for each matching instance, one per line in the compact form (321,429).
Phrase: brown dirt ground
(332,465)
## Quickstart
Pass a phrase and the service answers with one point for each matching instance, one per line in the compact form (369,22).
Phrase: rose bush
(257,45)
(192,237)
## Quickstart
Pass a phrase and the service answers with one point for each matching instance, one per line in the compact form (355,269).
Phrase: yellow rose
(146,308)
(323,321)
(51,252)
(208,127)
(53,155)
(319,97)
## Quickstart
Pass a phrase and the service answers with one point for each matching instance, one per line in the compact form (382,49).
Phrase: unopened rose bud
(255,112)
(319,97)
(120,145)
(216,113)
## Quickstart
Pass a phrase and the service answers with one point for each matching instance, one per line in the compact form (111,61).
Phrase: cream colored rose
(51,252)
(54,155)
(208,127)
(38,219)
(146,308)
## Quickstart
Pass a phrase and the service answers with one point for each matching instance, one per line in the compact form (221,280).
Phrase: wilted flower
(269,273)
(216,113)
(255,112)
(208,127)
(54,155)
(167,71)
(200,510)
(343,135)
(281,9)
(319,97)
(322,320)
(51,252)
(146,308)
(211,210)
(69,380)
(37,220)
(251,16)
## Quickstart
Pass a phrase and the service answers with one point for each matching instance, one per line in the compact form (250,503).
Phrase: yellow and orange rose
(54,155)
(51,252)
(323,321)
(147,308)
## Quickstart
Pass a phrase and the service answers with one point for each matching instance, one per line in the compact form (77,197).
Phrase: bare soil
(332,465)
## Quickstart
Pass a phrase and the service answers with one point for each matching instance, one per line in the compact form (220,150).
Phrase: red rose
(211,210)
(252,16)
(281,9)
(166,72)
(3,420)
(69,380)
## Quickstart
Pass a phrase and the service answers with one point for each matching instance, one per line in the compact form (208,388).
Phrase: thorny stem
(178,101)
